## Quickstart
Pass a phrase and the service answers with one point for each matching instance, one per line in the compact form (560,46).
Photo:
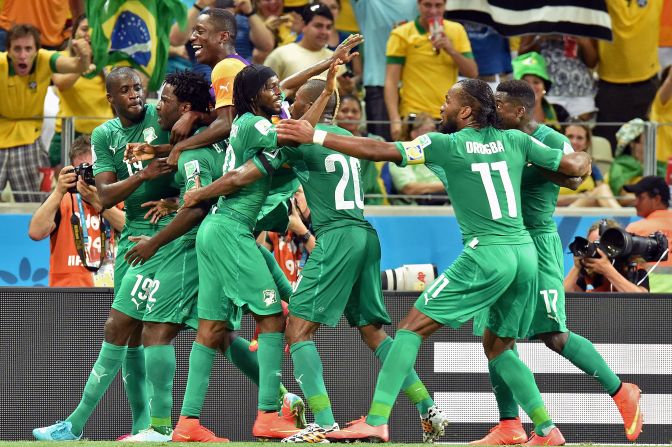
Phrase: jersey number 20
(351,167)
(484,169)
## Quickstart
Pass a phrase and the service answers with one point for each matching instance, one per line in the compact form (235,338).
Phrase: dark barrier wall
(50,339)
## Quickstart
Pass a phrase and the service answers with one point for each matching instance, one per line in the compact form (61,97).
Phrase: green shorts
(233,273)
(493,284)
(342,275)
(549,315)
(136,285)
(176,287)
(281,281)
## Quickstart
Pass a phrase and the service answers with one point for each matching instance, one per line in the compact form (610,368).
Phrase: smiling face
(22,52)
(316,33)
(269,8)
(578,136)
(82,31)
(127,97)
(207,41)
(450,110)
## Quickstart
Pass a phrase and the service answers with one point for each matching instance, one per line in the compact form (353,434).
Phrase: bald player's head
(308,94)
(125,93)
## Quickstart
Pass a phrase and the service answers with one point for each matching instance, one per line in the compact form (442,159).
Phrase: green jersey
(197,168)
(539,195)
(482,170)
(331,181)
(108,142)
(249,135)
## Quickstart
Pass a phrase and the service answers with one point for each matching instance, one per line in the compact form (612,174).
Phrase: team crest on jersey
(149,135)
(415,149)
(263,126)
(192,172)
(269,297)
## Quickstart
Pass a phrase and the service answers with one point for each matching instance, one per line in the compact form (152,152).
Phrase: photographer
(60,217)
(602,273)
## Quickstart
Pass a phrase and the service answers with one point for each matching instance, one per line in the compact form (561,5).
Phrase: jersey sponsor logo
(415,149)
(192,170)
(271,154)
(269,297)
(113,150)
(149,134)
(263,126)
(494,147)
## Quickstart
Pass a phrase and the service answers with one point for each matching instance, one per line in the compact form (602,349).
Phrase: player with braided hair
(481,166)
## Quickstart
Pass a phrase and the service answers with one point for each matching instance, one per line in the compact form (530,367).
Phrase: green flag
(135,33)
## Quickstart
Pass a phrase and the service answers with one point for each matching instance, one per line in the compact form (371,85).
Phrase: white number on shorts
(436,287)
(145,286)
(484,169)
(150,299)
(351,167)
(551,301)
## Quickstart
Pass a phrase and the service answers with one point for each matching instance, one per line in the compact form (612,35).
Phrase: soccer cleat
(433,425)
(124,437)
(60,431)
(270,425)
(312,434)
(627,401)
(149,435)
(191,430)
(360,430)
(507,432)
(293,409)
(553,438)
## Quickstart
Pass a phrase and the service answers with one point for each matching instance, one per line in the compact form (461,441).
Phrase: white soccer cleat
(433,425)
(150,435)
(312,434)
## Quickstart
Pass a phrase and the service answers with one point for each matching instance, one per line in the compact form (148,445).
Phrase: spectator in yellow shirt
(661,112)
(25,74)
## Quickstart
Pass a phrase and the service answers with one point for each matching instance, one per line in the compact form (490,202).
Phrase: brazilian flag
(135,33)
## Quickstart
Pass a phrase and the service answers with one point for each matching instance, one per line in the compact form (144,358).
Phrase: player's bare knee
(117,330)
(270,323)
(211,333)
(372,335)
(555,340)
(299,330)
(158,333)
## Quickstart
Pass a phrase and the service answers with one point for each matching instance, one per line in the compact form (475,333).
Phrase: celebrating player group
(226,158)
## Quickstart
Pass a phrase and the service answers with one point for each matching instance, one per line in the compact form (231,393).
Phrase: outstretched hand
(331,76)
(342,52)
(299,131)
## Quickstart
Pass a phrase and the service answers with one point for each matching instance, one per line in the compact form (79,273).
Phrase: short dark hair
(190,87)
(224,21)
(478,95)
(520,92)
(318,9)
(118,73)
(80,146)
(314,88)
(22,30)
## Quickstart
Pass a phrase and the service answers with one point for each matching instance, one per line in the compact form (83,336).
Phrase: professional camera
(84,171)
(408,278)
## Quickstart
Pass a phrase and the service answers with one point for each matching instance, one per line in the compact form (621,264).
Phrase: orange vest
(65,265)
(287,253)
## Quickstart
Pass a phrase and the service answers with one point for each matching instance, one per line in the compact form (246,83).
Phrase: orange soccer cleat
(191,430)
(273,426)
(360,430)
(627,401)
(507,432)
(553,438)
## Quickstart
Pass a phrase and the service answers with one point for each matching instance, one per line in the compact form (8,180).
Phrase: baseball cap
(652,184)
(531,63)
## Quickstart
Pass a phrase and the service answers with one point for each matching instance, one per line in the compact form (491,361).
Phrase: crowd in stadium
(224,165)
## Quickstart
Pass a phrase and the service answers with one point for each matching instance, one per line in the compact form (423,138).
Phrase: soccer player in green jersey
(481,166)
(173,305)
(515,107)
(342,275)
(134,184)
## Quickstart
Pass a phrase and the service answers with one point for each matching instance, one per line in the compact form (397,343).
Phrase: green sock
(247,362)
(160,365)
(404,351)
(506,403)
(200,366)
(520,380)
(103,372)
(412,387)
(308,374)
(584,356)
(135,384)
(269,354)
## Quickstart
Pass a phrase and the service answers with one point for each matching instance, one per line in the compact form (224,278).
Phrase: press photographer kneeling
(608,261)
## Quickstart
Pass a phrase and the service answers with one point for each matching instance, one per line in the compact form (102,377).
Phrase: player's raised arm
(576,164)
(359,147)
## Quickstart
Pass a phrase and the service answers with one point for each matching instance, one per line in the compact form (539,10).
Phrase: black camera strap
(81,235)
